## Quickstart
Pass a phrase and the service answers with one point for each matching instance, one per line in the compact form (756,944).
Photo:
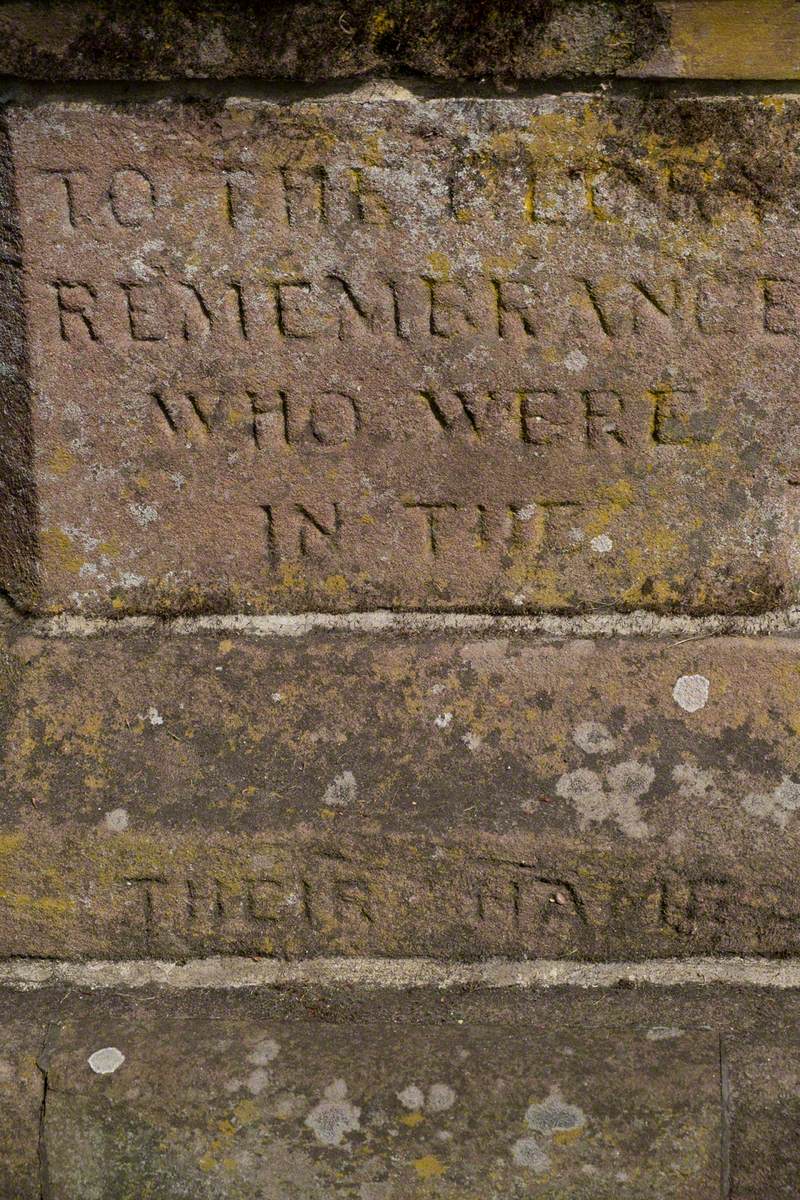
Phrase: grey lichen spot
(106,1061)
(691,692)
(342,791)
(779,805)
(264,1052)
(694,783)
(593,738)
(614,795)
(440,1097)
(257,1080)
(117,821)
(334,1116)
(554,1115)
(663,1033)
(411,1097)
(528,1152)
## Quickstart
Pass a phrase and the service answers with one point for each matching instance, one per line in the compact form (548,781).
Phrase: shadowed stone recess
(186,795)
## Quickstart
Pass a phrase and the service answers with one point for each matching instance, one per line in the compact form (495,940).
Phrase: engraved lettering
(604,411)
(68,189)
(781,306)
(132,197)
(75,305)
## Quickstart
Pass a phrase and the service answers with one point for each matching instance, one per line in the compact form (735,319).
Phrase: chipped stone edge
(231,972)
(379,621)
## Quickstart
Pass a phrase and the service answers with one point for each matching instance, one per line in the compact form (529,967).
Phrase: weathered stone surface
(296,1110)
(318,40)
(754,1030)
(401,796)
(764,1102)
(515,355)
(325,40)
(22,1035)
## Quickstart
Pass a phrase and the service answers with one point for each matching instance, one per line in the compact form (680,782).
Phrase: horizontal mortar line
(233,972)
(388,84)
(592,625)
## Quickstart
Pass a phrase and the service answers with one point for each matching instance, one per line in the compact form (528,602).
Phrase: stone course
(417,795)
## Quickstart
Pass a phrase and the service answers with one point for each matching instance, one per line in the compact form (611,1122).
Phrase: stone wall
(399,680)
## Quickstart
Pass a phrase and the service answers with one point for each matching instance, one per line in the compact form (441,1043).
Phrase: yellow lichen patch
(564,1137)
(428,1167)
(381,22)
(61,550)
(61,461)
(412,1119)
(439,263)
(335,585)
(735,39)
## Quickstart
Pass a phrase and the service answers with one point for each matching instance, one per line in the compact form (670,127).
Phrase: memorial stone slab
(170,796)
(505,355)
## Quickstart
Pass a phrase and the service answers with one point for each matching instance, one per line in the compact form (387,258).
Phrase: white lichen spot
(472,741)
(143,514)
(440,1097)
(342,791)
(117,821)
(614,795)
(334,1116)
(554,1115)
(264,1052)
(691,692)
(601,544)
(694,783)
(663,1033)
(576,360)
(152,715)
(277,697)
(528,1152)
(106,1061)
(527,513)
(778,805)
(593,738)
(257,1080)
(576,536)
(411,1097)
(443,720)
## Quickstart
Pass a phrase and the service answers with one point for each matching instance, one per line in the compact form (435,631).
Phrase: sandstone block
(223,1107)
(320,40)
(488,354)
(22,1035)
(184,795)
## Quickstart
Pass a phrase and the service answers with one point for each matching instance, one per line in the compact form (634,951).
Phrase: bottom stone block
(174,796)
(241,1109)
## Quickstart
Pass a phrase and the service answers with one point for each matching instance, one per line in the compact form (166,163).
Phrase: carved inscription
(312,901)
(412,354)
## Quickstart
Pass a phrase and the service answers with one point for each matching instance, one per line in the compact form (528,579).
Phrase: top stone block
(511,355)
(317,40)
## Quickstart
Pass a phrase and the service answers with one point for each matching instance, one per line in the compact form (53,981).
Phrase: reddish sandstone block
(507,355)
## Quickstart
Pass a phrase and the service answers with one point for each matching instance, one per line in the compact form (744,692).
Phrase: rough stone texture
(651,1055)
(22,1036)
(505,355)
(172,796)
(297,1110)
(320,40)
(323,40)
